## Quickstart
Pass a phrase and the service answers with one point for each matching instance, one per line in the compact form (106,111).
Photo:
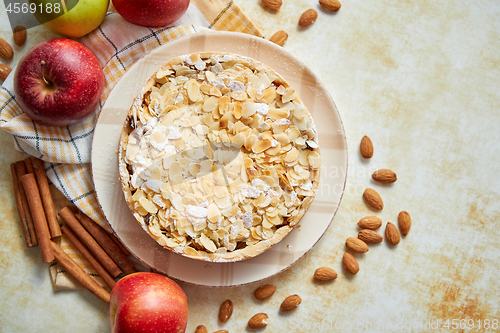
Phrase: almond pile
(369,224)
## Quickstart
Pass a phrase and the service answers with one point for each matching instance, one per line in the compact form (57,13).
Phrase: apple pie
(218,157)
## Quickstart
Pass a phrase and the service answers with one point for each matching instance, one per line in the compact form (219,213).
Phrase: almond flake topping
(221,153)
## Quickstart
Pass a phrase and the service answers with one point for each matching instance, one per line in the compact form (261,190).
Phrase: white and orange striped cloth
(66,150)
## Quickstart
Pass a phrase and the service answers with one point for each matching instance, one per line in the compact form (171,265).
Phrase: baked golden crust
(218,157)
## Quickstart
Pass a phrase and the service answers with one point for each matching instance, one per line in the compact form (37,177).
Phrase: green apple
(75,18)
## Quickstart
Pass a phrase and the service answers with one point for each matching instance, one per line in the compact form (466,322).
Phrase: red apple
(151,13)
(148,302)
(58,82)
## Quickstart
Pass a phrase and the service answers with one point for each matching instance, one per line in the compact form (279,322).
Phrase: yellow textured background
(422,79)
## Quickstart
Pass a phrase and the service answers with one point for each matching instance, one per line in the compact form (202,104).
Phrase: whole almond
(330,5)
(222,331)
(350,263)
(370,236)
(392,234)
(4,71)
(201,329)
(404,222)
(366,147)
(225,310)
(325,274)
(373,199)
(385,176)
(279,37)
(272,4)
(258,321)
(264,292)
(20,34)
(307,18)
(370,222)
(6,51)
(356,245)
(290,303)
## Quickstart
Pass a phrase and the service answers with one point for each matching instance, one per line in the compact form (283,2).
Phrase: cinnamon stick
(21,171)
(106,243)
(47,201)
(78,273)
(69,218)
(108,279)
(118,243)
(29,165)
(19,204)
(36,209)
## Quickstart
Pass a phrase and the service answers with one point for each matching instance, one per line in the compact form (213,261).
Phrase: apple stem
(47,82)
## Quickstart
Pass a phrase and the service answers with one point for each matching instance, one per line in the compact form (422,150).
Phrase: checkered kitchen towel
(66,150)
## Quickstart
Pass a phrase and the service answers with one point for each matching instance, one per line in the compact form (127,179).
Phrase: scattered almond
(307,18)
(272,4)
(373,199)
(366,147)
(325,274)
(356,245)
(226,310)
(6,51)
(201,329)
(350,263)
(370,222)
(384,176)
(20,34)
(404,222)
(279,37)
(392,234)
(370,236)
(258,321)
(4,71)
(330,5)
(222,331)
(264,292)
(290,303)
